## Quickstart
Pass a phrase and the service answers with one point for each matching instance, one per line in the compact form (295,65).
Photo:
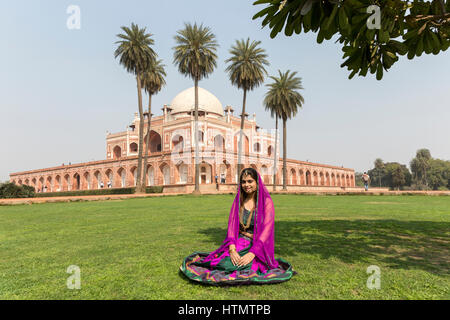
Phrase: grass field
(132,249)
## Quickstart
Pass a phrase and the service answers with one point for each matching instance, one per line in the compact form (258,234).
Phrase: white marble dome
(185,102)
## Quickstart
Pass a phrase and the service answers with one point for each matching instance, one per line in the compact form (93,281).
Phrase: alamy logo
(74,281)
(74,20)
(374,21)
(374,280)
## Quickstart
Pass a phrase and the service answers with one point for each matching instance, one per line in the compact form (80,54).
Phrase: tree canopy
(426,173)
(405,28)
(195,52)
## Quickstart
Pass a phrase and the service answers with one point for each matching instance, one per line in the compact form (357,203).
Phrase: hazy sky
(61,89)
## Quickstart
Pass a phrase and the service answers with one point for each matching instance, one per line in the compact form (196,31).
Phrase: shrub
(154,189)
(96,192)
(10,190)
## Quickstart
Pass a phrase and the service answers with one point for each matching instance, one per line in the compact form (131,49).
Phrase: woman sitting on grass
(247,253)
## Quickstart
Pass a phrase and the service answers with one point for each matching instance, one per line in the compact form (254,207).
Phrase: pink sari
(216,267)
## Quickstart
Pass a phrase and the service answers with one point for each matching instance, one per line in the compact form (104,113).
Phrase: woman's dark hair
(254,174)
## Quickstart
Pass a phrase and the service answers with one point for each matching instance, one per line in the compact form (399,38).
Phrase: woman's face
(248,184)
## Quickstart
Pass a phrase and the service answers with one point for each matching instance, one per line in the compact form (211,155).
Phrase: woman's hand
(246,259)
(235,257)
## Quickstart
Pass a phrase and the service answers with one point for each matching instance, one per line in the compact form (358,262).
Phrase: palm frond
(282,98)
(153,77)
(134,50)
(195,51)
(246,69)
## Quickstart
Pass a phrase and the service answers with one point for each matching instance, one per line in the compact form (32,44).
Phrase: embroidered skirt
(221,270)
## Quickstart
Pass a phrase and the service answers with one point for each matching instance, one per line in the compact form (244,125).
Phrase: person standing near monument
(366,179)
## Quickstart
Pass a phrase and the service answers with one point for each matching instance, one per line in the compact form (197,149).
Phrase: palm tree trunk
(197,165)
(147,141)
(241,134)
(284,154)
(275,155)
(141,134)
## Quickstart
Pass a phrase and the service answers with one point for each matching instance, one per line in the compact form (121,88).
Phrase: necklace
(249,219)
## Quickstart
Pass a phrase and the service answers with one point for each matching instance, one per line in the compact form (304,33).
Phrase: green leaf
(356,19)
(410,34)
(353,74)
(363,71)
(402,49)
(419,48)
(370,34)
(392,55)
(343,20)
(307,21)
(383,36)
(289,26)
(331,18)
(320,36)
(269,10)
(427,42)
(379,75)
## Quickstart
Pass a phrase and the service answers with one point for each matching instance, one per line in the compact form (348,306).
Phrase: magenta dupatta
(263,234)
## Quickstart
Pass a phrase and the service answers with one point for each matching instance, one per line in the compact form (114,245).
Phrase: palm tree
(136,56)
(420,164)
(275,111)
(379,167)
(195,56)
(283,93)
(152,82)
(246,71)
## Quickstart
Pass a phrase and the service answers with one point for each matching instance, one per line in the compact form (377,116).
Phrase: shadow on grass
(405,245)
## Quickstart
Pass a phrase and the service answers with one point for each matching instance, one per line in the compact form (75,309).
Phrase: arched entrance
(76,181)
(225,172)
(165,172)
(308,178)
(182,173)
(150,176)
(205,173)
(293,177)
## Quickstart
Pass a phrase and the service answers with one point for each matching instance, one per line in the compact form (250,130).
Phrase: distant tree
(195,56)
(246,71)
(426,172)
(420,165)
(136,56)
(283,92)
(392,175)
(420,26)
(378,170)
(152,82)
(398,178)
(439,174)
(397,175)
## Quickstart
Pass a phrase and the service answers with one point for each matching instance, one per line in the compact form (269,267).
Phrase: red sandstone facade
(171,154)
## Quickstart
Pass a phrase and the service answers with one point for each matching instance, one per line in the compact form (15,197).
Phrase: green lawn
(132,249)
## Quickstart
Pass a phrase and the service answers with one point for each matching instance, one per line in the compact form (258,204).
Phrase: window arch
(133,147)
(117,152)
